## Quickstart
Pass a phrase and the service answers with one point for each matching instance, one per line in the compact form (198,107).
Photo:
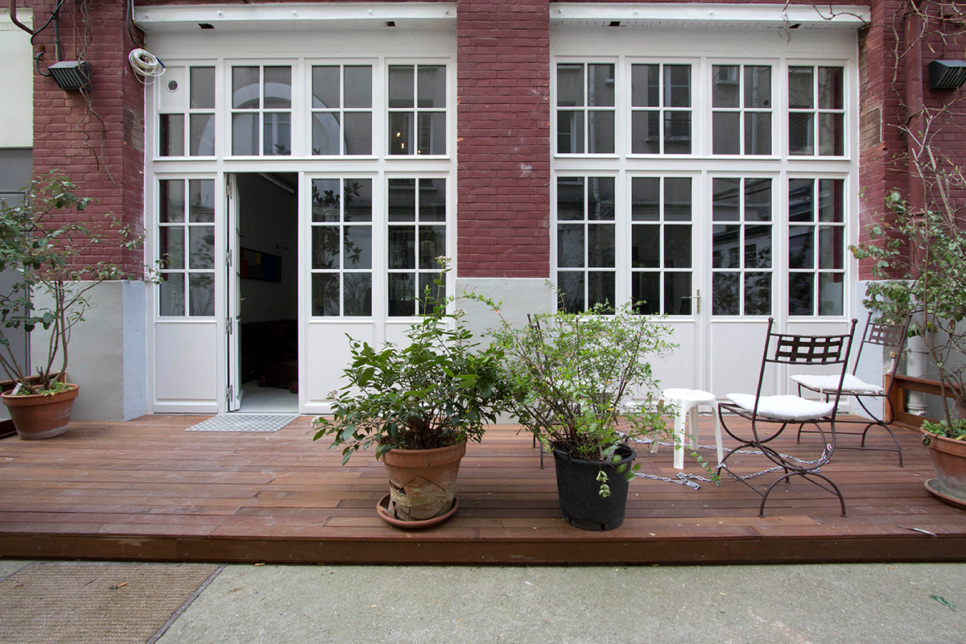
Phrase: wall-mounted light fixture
(947,74)
(72,75)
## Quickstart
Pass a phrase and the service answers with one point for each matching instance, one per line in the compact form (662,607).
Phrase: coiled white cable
(145,64)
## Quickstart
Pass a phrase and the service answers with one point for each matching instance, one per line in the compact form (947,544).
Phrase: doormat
(97,602)
(244,423)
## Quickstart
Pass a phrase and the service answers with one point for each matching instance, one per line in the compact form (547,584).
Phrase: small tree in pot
(418,404)
(50,251)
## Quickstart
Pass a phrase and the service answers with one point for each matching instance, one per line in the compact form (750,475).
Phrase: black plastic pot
(578,490)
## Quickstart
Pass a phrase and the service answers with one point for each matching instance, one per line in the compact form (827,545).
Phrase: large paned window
(586,108)
(816,247)
(816,111)
(661,109)
(661,241)
(261,110)
(186,246)
(741,255)
(342,110)
(586,241)
(741,101)
(342,247)
(416,240)
(186,120)
(417,109)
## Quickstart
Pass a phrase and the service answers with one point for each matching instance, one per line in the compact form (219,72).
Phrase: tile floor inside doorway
(268,399)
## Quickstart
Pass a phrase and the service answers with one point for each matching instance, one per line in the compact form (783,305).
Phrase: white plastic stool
(686,402)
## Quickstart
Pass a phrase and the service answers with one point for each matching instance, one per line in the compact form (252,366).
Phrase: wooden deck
(148,490)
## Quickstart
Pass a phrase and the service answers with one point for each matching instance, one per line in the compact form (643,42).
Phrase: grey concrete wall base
(516,296)
(108,355)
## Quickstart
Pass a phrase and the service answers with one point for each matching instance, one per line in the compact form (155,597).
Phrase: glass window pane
(325,87)
(646,293)
(358,133)
(431,86)
(203,88)
(830,294)
(724,252)
(600,198)
(830,247)
(758,199)
(201,200)
(278,133)
(402,247)
(757,133)
(171,207)
(402,294)
(645,86)
(244,134)
(570,198)
(677,199)
(326,200)
(432,244)
(600,289)
(171,246)
(645,246)
(245,88)
(201,241)
(326,133)
(600,126)
(432,200)
(357,294)
(800,88)
(830,139)
(724,294)
(201,297)
(401,86)
(726,128)
(358,86)
(402,200)
(202,142)
(646,132)
(800,247)
(358,199)
(400,132)
(172,294)
(758,294)
(677,133)
(800,291)
(600,85)
(801,206)
(757,86)
(357,246)
(757,246)
(429,292)
(325,294)
(571,291)
(726,199)
(278,87)
(677,86)
(830,200)
(677,247)
(570,246)
(677,293)
(830,88)
(431,136)
(171,135)
(645,198)
(570,85)
(326,247)
(724,86)
(600,246)
(801,133)
(570,132)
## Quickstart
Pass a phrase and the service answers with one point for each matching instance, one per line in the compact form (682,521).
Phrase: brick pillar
(503,138)
(97,139)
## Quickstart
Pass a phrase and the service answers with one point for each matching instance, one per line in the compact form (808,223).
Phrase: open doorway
(266,345)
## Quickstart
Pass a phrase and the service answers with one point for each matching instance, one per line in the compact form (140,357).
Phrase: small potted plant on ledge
(50,253)
(418,404)
(570,375)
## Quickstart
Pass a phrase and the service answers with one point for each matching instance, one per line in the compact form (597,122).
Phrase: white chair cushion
(828,384)
(791,408)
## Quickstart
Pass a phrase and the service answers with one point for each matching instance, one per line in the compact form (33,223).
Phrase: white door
(234,390)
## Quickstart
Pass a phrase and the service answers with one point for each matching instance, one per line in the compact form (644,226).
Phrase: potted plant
(50,253)
(418,404)
(570,375)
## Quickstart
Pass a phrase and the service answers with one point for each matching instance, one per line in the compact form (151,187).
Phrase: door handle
(697,304)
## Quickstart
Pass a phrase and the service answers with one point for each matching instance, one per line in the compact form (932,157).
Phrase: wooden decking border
(148,490)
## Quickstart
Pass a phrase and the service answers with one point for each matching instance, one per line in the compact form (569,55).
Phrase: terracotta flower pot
(949,459)
(37,416)
(422,482)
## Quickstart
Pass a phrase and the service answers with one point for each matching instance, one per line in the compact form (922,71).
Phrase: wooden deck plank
(148,490)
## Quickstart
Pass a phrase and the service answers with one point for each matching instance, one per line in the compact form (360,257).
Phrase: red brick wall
(97,140)
(504,138)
